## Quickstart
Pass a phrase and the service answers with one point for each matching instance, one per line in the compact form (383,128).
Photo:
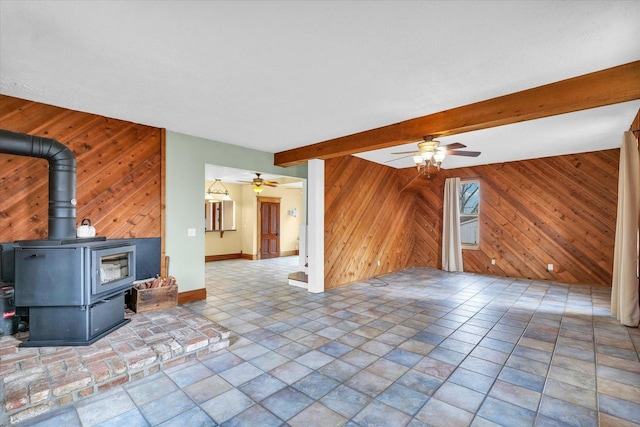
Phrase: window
(469,214)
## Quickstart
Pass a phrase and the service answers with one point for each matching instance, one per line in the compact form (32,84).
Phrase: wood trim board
(191,296)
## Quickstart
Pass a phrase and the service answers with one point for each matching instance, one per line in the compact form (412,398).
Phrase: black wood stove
(74,289)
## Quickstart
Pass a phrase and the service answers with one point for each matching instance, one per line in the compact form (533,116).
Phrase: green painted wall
(186,157)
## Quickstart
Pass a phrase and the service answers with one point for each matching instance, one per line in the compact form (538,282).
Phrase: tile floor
(418,347)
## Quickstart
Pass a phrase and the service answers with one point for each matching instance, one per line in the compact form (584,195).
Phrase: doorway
(269,227)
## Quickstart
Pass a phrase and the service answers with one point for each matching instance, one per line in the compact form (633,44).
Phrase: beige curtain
(624,287)
(451,246)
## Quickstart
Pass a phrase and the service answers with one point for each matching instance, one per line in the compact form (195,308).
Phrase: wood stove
(74,288)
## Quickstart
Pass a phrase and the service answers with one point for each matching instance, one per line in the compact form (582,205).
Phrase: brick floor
(36,380)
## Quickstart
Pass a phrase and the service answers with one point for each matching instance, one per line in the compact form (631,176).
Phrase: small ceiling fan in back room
(431,153)
(258,184)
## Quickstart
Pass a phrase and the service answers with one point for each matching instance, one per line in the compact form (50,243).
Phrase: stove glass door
(113,267)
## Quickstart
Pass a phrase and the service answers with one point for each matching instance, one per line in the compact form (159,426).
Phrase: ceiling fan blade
(454,146)
(268,184)
(463,153)
(248,182)
(271,182)
(399,158)
(284,180)
(406,152)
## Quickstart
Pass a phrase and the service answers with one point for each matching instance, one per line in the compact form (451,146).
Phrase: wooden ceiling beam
(598,89)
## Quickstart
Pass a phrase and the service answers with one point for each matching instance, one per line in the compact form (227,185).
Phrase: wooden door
(269,230)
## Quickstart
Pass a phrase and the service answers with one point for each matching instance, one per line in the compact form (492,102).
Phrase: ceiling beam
(598,89)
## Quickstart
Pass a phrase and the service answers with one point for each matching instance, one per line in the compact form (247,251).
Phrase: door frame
(259,228)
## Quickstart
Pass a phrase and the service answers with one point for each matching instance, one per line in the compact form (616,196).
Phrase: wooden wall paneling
(558,210)
(119,166)
(428,221)
(348,215)
(366,221)
(11,106)
(24,202)
(67,125)
(584,215)
(345,192)
(499,238)
(528,230)
(114,197)
(425,246)
(568,187)
(30,116)
(559,213)
(132,219)
(342,171)
(520,239)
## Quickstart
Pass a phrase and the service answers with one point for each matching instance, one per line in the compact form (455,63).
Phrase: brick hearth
(38,379)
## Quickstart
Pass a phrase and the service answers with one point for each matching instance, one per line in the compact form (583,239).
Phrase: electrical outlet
(378,263)
(493,261)
(549,267)
(191,232)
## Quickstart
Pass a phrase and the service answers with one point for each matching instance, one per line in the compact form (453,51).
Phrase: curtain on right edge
(624,286)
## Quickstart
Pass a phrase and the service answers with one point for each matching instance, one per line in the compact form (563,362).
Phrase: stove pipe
(62,177)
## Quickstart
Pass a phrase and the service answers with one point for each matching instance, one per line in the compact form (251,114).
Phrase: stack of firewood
(157,282)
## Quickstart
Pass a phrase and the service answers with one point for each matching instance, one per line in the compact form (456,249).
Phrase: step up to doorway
(299,279)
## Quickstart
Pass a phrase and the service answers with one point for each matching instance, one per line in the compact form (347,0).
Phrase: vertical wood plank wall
(366,220)
(557,210)
(118,172)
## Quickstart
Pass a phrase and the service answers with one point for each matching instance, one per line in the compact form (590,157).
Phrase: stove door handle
(38,256)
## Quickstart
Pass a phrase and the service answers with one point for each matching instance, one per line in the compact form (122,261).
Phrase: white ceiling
(275,75)
(234,176)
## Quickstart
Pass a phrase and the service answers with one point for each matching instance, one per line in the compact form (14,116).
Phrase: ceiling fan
(431,153)
(258,183)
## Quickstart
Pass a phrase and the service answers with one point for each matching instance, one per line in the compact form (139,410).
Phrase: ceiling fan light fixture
(431,153)
(438,156)
(257,188)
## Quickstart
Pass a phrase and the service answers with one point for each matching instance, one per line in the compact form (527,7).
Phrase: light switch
(191,232)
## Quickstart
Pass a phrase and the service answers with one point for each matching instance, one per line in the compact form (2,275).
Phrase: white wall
(186,157)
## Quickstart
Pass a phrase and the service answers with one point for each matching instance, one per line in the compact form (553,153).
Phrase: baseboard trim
(290,253)
(210,258)
(191,296)
(250,257)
